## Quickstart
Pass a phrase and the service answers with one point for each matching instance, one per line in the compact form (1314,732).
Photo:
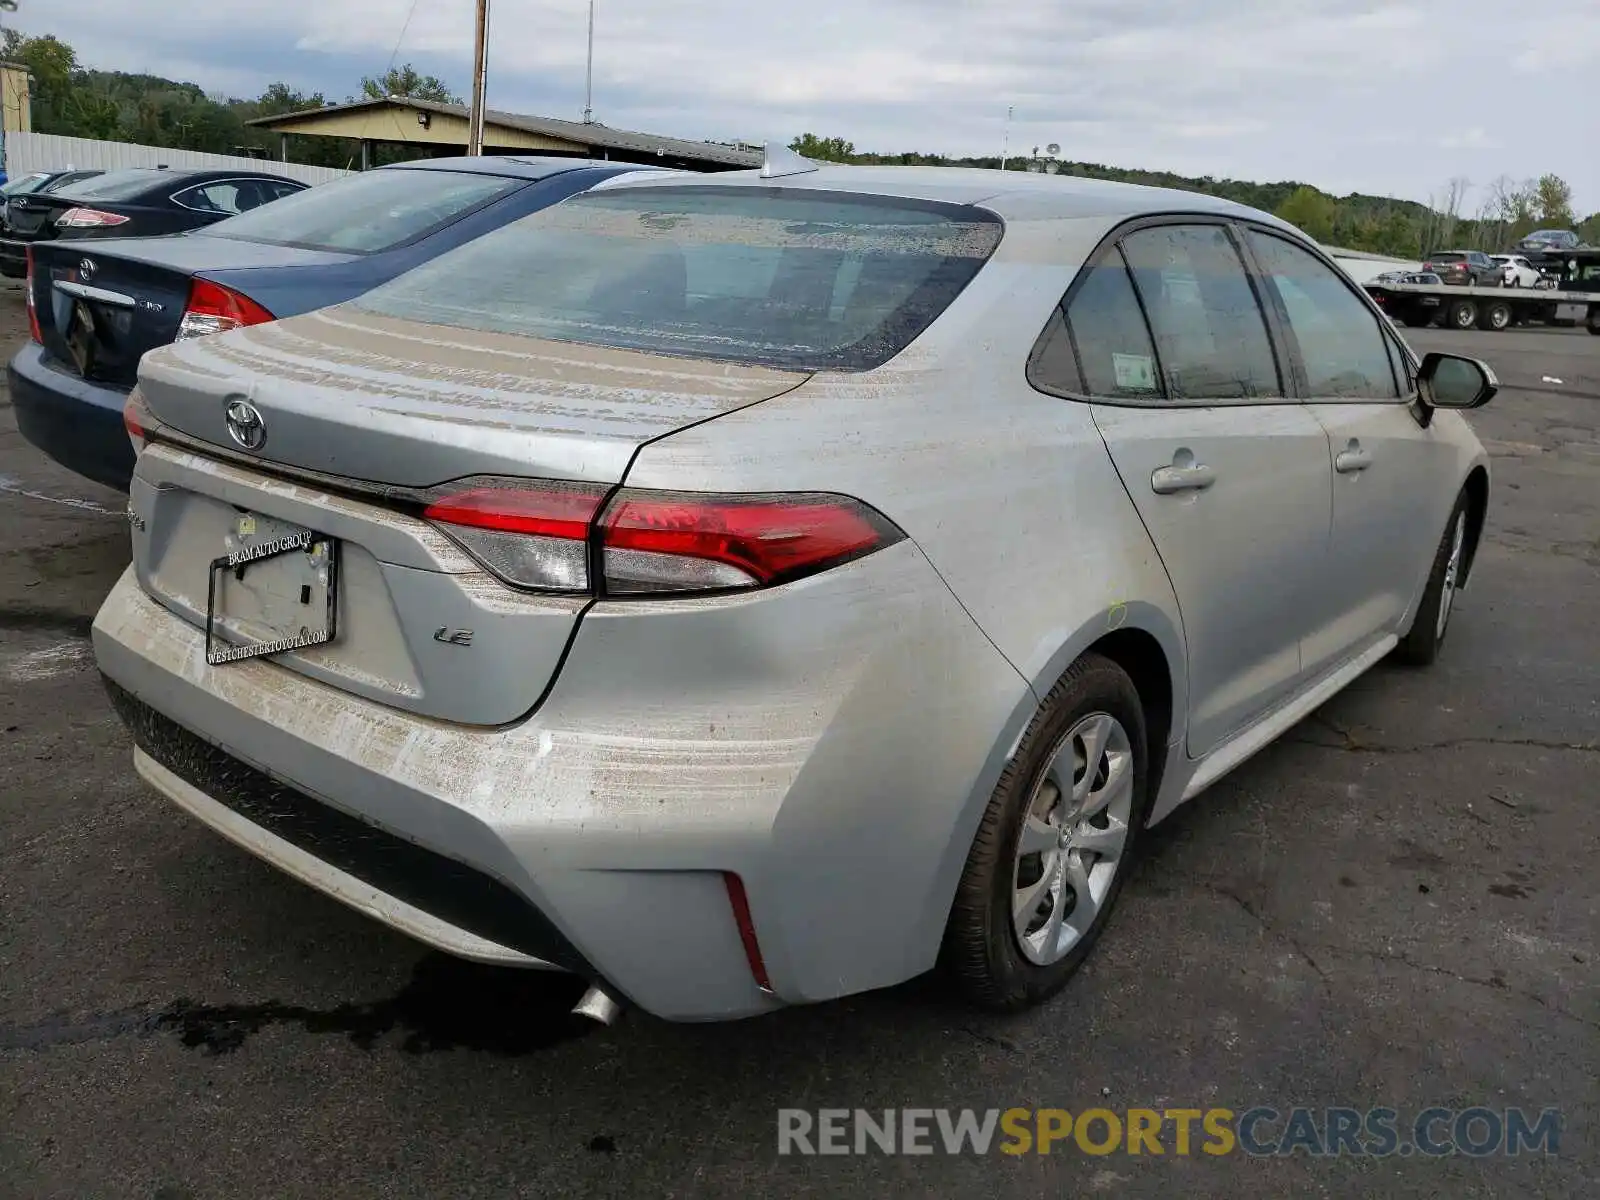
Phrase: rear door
(1230,477)
(1391,477)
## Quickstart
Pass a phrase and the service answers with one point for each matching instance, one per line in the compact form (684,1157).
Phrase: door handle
(1164,481)
(1349,462)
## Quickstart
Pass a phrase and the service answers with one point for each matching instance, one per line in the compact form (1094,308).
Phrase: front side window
(1210,333)
(222,197)
(779,277)
(1341,343)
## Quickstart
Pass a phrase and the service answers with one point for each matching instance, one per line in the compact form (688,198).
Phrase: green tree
(280,98)
(1311,211)
(405,81)
(1554,201)
(833,149)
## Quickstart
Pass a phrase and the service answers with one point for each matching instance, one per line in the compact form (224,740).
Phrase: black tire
(981,951)
(1463,314)
(1421,645)
(1494,316)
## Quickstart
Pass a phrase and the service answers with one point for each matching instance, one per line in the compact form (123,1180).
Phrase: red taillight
(136,419)
(32,305)
(89,218)
(538,536)
(213,308)
(747,929)
(665,541)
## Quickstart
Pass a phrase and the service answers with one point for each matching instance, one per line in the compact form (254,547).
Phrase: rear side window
(787,278)
(1109,333)
(367,213)
(1209,331)
(1341,343)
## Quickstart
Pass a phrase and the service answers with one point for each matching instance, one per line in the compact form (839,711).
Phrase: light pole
(480,74)
(1005,140)
(588,74)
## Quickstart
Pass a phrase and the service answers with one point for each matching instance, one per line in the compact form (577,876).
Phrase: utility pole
(1005,141)
(480,74)
(588,74)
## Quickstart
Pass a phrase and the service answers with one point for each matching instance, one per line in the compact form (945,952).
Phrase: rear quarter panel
(1010,493)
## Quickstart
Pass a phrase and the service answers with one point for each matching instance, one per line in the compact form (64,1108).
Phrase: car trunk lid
(350,393)
(98,314)
(33,216)
(418,622)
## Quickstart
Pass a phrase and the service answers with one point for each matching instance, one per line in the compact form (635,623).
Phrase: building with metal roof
(403,120)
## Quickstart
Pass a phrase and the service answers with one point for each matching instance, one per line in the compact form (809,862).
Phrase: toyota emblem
(86,269)
(245,425)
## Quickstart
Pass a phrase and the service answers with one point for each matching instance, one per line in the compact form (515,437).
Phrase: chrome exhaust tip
(599,1006)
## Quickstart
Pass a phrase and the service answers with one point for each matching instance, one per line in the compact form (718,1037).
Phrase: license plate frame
(317,549)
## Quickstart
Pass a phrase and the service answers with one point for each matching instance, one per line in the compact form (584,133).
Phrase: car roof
(1011,194)
(521,166)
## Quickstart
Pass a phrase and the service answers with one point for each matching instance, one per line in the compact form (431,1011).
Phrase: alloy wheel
(1452,572)
(1073,837)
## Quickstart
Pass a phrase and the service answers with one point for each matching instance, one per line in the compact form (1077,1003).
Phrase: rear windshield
(365,213)
(28,183)
(797,279)
(123,185)
(1447,256)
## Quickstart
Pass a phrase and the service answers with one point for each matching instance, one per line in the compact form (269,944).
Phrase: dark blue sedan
(94,308)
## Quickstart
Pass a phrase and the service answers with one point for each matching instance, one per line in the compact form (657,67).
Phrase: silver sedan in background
(746,590)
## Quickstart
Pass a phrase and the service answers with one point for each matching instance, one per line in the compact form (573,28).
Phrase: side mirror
(1451,381)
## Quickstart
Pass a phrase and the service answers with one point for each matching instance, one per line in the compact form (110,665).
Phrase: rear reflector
(747,929)
(89,218)
(213,308)
(538,535)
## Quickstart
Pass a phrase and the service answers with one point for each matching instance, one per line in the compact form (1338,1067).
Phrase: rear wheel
(1496,315)
(1421,646)
(1053,849)
(1463,314)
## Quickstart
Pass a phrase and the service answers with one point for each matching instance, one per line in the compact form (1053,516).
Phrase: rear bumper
(75,421)
(833,747)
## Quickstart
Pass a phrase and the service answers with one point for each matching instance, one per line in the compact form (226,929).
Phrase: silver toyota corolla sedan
(746,590)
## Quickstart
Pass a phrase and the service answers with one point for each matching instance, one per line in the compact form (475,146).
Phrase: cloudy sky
(1383,96)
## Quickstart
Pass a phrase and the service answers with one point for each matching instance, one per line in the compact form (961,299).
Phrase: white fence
(47,152)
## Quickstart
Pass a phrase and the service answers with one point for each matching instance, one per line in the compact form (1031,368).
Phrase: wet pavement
(1395,906)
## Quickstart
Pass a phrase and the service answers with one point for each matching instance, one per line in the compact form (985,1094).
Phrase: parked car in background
(670,587)
(20,192)
(1465,268)
(97,307)
(1550,239)
(45,181)
(1517,271)
(137,202)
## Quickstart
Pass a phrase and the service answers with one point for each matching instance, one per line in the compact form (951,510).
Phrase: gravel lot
(1397,905)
